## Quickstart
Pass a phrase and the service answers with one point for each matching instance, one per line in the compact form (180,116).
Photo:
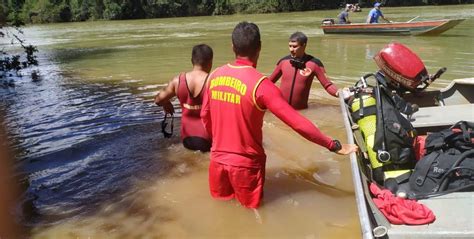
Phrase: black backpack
(394,135)
(448,164)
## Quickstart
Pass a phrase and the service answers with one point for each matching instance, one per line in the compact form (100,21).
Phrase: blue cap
(377,4)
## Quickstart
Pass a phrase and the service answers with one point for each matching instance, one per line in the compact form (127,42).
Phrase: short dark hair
(202,55)
(299,37)
(246,39)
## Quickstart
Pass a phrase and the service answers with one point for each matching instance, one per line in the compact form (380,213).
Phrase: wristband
(336,146)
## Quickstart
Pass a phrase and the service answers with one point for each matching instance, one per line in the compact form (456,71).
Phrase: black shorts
(197,143)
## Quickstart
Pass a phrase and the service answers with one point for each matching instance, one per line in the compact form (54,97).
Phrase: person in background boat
(343,17)
(233,110)
(375,13)
(297,72)
(189,87)
(356,8)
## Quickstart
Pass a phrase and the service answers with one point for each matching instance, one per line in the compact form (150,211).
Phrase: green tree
(10,28)
(222,7)
(112,10)
(43,11)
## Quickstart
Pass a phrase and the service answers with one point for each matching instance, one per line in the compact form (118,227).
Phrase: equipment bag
(459,136)
(387,133)
(395,135)
(448,165)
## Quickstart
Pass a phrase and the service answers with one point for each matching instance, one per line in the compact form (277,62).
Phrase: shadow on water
(450,35)
(97,173)
(78,54)
(300,181)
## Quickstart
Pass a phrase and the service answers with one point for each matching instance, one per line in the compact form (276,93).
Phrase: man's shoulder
(288,57)
(229,70)
(219,69)
(196,77)
(177,78)
(312,59)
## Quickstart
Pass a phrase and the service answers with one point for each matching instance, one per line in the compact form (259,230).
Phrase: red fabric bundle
(399,210)
(419,146)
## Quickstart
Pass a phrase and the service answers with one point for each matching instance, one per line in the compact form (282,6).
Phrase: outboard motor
(403,69)
(328,21)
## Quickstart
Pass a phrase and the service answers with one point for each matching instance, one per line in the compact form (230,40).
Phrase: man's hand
(346,93)
(168,108)
(347,149)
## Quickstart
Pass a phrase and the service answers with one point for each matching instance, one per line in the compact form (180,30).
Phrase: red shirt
(302,80)
(233,111)
(191,124)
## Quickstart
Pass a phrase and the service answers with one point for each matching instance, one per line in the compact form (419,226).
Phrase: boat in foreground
(434,27)
(439,109)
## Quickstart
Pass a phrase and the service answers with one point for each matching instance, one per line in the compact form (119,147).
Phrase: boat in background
(438,109)
(434,27)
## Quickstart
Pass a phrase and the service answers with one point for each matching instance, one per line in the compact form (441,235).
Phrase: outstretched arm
(325,82)
(268,96)
(276,73)
(163,97)
(385,19)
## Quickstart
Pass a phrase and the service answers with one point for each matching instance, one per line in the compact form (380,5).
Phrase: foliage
(43,11)
(10,28)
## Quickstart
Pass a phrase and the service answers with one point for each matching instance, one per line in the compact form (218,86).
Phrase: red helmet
(402,67)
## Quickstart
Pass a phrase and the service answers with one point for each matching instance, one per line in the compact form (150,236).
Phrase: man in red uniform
(233,110)
(189,88)
(297,72)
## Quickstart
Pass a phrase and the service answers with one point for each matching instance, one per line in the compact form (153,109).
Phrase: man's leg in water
(219,184)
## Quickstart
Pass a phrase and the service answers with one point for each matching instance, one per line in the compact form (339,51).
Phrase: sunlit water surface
(97,166)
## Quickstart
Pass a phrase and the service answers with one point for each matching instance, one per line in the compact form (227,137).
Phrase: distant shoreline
(38,12)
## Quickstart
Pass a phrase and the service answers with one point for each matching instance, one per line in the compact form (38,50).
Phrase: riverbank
(48,12)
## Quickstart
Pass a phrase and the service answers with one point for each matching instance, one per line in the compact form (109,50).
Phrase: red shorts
(245,184)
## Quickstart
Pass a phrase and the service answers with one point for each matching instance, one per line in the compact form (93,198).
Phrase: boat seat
(454,219)
(442,116)
(456,94)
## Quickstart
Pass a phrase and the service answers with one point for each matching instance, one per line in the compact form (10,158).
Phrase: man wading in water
(297,72)
(233,110)
(189,87)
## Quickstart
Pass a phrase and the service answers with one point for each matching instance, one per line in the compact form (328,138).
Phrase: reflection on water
(63,110)
(88,135)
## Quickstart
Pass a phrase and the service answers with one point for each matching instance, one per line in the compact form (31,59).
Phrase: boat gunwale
(385,24)
(419,27)
(356,176)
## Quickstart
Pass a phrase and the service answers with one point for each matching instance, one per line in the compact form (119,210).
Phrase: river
(87,135)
